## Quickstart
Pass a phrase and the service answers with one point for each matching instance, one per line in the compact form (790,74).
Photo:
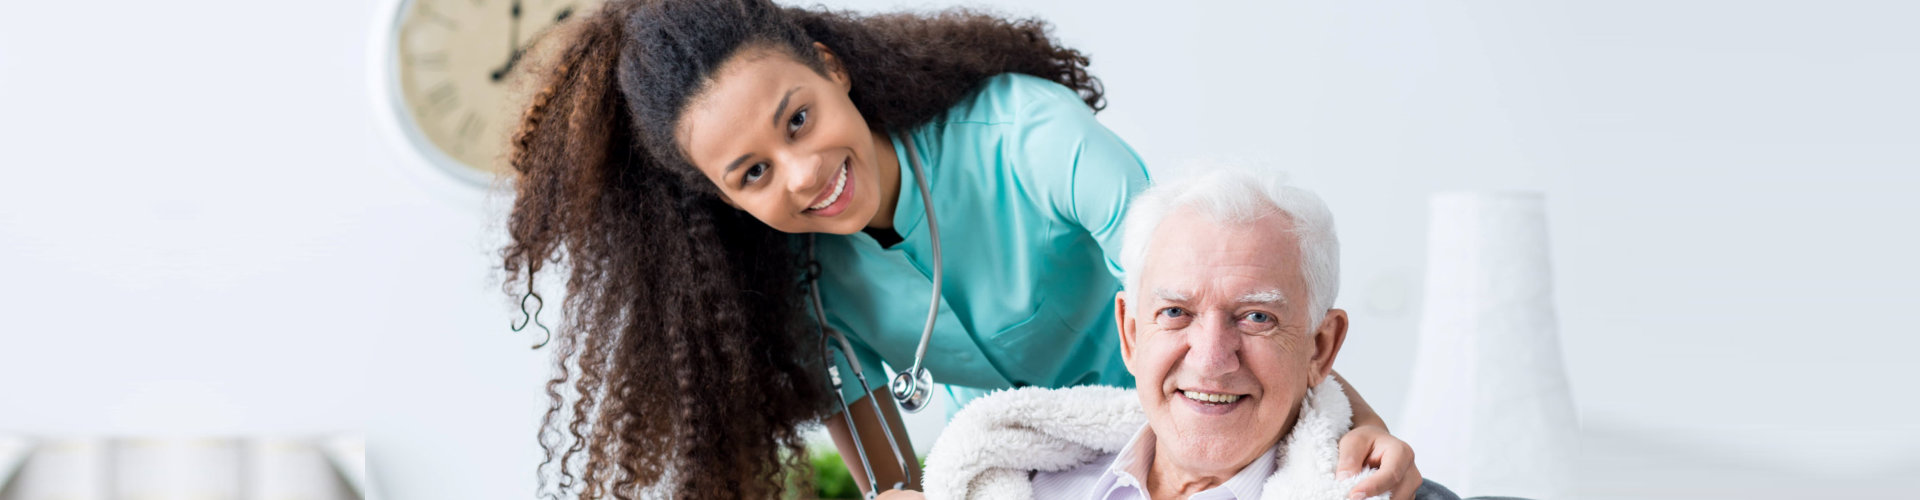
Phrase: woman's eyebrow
(736,163)
(782,110)
(777,113)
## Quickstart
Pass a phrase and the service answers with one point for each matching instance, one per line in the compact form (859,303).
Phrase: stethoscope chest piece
(912,389)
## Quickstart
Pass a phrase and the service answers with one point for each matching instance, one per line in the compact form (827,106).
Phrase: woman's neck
(888,164)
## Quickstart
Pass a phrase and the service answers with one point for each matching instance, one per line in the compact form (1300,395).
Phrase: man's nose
(1214,349)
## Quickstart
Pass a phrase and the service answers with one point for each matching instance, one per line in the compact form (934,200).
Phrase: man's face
(1219,343)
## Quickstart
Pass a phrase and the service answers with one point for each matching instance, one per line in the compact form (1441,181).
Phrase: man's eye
(1260,317)
(753,173)
(1173,312)
(799,120)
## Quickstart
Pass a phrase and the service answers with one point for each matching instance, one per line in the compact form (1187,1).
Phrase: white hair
(1240,196)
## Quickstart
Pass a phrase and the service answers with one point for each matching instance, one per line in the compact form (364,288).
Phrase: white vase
(1489,412)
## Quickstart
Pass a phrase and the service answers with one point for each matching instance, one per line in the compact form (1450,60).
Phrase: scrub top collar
(909,212)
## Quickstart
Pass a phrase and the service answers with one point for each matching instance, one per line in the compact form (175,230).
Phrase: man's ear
(835,70)
(1326,343)
(1125,326)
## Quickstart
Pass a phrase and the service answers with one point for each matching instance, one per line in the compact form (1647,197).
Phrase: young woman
(682,158)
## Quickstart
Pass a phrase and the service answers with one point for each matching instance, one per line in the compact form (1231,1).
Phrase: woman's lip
(846,194)
(827,191)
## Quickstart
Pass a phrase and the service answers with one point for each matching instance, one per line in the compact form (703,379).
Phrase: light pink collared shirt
(1122,476)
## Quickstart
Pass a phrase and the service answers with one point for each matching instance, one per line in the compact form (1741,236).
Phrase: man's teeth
(1211,398)
(838,186)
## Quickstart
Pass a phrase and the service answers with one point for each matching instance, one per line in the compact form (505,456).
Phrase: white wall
(205,233)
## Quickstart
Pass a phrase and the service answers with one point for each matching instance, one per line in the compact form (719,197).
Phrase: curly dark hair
(683,337)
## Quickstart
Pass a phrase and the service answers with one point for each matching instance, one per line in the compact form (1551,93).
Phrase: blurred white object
(177,468)
(1489,411)
(290,469)
(268,468)
(349,456)
(13,452)
(63,469)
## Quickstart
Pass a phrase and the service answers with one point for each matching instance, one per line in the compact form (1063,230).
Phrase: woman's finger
(1409,483)
(1397,474)
(1353,452)
(1381,481)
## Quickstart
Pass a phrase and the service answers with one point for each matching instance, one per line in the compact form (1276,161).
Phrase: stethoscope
(911,388)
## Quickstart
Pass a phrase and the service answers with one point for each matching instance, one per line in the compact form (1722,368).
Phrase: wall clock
(449,76)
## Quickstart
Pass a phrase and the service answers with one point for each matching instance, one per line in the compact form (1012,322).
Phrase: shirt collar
(1128,473)
(908,210)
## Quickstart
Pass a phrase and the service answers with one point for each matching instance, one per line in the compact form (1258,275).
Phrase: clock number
(469,130)
(436,61)
(441,99)
(427,13)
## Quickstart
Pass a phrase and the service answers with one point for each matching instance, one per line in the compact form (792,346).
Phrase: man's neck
(1166,481)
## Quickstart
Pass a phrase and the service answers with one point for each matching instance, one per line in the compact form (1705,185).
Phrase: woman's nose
(808,177)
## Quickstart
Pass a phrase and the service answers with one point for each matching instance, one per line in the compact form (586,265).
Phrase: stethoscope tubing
(933,229)
(846,411)
(846,348)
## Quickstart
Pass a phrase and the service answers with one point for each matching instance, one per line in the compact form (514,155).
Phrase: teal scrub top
(1029,192)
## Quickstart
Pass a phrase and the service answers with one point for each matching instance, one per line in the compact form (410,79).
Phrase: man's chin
(1211,452)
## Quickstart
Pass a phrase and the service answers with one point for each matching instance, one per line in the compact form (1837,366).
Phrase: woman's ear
(835,71)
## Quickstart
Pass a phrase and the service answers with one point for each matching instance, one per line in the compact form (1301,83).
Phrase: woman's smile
(836,197)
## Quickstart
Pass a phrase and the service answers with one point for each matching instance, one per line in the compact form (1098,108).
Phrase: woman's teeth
(1211,398)
(838,186)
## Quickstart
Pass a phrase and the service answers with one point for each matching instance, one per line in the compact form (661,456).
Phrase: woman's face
(785,144)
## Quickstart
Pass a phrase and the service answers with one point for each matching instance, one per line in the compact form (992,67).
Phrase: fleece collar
(991,447)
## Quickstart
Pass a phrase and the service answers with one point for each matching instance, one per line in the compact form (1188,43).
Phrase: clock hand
(501,73)
(513,44)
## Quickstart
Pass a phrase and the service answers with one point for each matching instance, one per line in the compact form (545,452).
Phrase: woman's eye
(753,173)
(799,120)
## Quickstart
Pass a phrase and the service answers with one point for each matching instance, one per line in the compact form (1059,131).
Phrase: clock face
(462,71)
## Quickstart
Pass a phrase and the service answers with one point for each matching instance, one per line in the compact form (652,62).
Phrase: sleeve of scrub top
(869,364)
(1097,173)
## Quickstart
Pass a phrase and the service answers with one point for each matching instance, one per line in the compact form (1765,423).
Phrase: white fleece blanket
(990,447)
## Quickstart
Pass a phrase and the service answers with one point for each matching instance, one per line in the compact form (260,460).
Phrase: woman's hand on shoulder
(901,495)
(1372,446)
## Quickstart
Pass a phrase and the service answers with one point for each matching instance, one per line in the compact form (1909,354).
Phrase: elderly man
(1228,328)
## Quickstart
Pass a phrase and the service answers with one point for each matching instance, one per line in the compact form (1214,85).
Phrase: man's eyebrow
(1267,296)
(1171,295)
(782,110)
